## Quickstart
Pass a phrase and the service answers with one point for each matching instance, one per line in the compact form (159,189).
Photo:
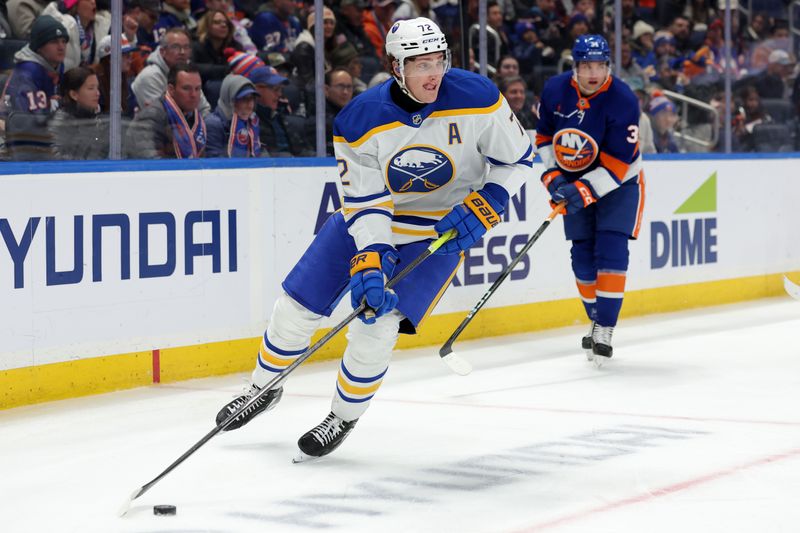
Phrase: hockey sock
(611,254)
(287,337)
(585,274)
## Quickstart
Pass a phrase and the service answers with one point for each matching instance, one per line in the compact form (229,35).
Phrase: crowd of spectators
(235,78)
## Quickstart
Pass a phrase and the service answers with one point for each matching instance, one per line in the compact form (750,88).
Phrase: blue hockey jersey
(595,137)
(271,34)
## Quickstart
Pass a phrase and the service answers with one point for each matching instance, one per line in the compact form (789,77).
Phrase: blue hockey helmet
(591,48)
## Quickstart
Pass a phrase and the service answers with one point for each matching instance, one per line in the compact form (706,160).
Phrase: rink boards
(116,275)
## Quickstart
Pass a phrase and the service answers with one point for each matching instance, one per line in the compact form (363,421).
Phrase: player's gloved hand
(480,211)
(552,178)
(369,270)
(577,194)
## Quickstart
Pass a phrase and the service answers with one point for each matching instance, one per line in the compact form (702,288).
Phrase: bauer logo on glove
(487,216)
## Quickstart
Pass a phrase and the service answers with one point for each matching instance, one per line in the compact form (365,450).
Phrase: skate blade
(303,458)
(589,355)
(600,360)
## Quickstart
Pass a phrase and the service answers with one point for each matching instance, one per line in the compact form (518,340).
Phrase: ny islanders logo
(575,150)
(419,168)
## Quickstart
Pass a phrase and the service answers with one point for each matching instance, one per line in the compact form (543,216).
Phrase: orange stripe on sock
(640,210)
(611,282)
(587,290)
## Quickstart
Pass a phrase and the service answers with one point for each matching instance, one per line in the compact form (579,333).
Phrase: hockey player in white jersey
(430,150)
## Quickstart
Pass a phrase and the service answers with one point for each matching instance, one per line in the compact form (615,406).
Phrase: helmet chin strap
(401,81)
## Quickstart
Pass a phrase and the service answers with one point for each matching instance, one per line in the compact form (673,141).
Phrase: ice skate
(264,403)
(601,344)
(586,342)
(324,438)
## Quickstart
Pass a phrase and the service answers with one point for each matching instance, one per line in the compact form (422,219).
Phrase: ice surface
(694,426)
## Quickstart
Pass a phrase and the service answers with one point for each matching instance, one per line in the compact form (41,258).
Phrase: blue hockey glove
(368,284)
(552,178)
(577,194)
(480,212)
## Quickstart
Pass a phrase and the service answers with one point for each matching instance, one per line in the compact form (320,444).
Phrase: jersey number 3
(633,138)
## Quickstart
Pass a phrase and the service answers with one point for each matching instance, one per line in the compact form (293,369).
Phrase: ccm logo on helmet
(574,149)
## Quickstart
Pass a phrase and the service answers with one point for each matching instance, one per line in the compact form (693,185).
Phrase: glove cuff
(549,175)
(365,260)
(482,209)
(585,192)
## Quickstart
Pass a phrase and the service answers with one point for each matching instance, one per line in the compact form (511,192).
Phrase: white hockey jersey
(401,172)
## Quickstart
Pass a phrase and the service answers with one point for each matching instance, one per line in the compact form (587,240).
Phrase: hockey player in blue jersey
(588,138)
(430,150)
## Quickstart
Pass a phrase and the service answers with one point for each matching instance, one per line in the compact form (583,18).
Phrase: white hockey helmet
(414,37)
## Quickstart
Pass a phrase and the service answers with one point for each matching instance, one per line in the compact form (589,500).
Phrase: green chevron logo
(703,200)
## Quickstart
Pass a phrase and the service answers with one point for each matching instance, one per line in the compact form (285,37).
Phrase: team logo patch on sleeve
(419,169)
(574,149)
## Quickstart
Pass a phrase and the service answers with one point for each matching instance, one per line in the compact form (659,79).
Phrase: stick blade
(792,289)
(126,506)
(457,364)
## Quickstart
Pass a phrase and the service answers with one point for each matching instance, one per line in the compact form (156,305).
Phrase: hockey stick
(435,245)
(792,289)
(457,364)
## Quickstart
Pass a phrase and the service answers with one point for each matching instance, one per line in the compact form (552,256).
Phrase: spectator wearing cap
(277,28)
(103,72)
(31,90)
(282,135)
(411,9)
(346,57)
(529,49)
(85,25)
(233,127)
(377,21)
(351,22)
(150,85)
(214,36)
(303,53)
(643,47)
(242,63)
(578,25)
(663,118)
(773,82)
(145,13)
(588,9)
(173,127)
(79,131)
(175,14)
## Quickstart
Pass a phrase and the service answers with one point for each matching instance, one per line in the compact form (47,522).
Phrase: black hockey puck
(164,510)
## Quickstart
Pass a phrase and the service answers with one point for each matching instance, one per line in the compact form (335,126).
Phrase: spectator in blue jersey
(175,14)
(282,134)
(173,128)
(85,25)
(79,131)
(663,119)
(276,29)
(31,93)
(150,85)
(233,127)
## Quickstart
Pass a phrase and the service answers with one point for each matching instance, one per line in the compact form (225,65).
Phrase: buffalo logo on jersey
(419,169)
(574,149)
